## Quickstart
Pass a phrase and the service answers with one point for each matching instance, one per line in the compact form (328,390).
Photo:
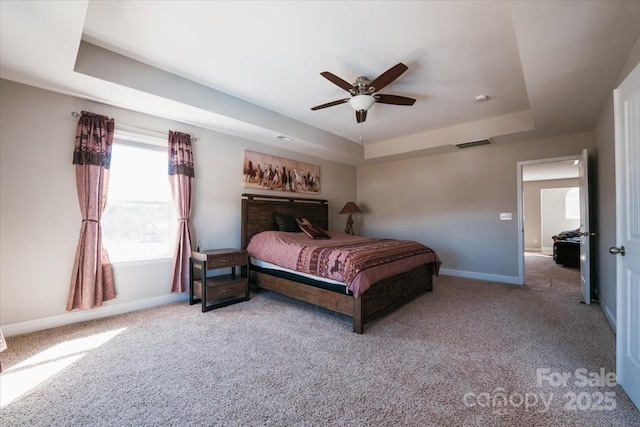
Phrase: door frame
(520,202)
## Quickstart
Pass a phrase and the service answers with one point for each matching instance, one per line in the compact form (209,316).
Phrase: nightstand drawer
(219,292)
(227,260)
(220,258)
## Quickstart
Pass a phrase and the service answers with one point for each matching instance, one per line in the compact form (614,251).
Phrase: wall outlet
(505,216)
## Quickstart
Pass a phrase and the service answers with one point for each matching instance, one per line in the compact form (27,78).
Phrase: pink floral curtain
(181,180)
(92,277)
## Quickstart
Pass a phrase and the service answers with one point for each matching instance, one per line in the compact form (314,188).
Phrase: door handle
(615,251)
(587,234)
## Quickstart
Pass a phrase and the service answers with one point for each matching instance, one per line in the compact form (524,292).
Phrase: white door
(585,233)
(627,121)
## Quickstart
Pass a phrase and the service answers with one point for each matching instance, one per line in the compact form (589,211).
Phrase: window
(139,219)
(572,203)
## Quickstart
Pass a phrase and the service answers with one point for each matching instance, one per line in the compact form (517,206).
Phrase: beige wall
(606,212)
(532,209)
(452,202)
(40,218)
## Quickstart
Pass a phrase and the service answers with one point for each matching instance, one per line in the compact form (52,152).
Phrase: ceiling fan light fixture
(362,102)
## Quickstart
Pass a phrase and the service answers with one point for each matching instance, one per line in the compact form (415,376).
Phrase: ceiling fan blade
(388,76)
(361,116)
(330,104)
(337,81)
(394,99)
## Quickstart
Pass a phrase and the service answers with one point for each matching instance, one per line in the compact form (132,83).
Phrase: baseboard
(607,314)
(513,280)
(86,315)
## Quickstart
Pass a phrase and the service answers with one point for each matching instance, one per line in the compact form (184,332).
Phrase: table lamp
(350,208)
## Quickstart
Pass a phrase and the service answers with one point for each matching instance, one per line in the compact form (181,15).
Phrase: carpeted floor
(469,353)
(541,273)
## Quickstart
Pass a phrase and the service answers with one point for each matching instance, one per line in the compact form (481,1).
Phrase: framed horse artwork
(266,172)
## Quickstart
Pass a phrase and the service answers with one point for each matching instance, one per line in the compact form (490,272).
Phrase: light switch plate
(505,216)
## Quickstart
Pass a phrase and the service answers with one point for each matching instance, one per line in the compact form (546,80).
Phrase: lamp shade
(362,102)
(350,208)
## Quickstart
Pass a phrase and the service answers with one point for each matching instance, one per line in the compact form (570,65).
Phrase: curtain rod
(77,115)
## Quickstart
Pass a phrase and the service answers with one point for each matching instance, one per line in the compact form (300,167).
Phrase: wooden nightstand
(221,290)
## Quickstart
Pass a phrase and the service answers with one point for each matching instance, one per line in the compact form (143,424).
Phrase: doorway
(546,207)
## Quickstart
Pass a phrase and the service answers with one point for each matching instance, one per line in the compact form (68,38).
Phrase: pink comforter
(356,261)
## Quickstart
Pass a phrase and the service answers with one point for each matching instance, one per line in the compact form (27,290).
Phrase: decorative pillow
(313,231)
(286,223)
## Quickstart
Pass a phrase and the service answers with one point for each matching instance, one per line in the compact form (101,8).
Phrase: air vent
(474,144)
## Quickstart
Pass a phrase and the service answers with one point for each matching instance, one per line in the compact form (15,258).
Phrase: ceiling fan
(363,91)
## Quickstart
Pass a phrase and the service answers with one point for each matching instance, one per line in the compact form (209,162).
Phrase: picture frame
(267,172)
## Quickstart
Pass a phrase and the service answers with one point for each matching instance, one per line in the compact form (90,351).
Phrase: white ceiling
(252,69)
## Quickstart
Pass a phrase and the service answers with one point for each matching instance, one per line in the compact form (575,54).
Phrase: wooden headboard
(258,210)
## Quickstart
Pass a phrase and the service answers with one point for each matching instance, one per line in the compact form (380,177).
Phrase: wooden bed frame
(381,298)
